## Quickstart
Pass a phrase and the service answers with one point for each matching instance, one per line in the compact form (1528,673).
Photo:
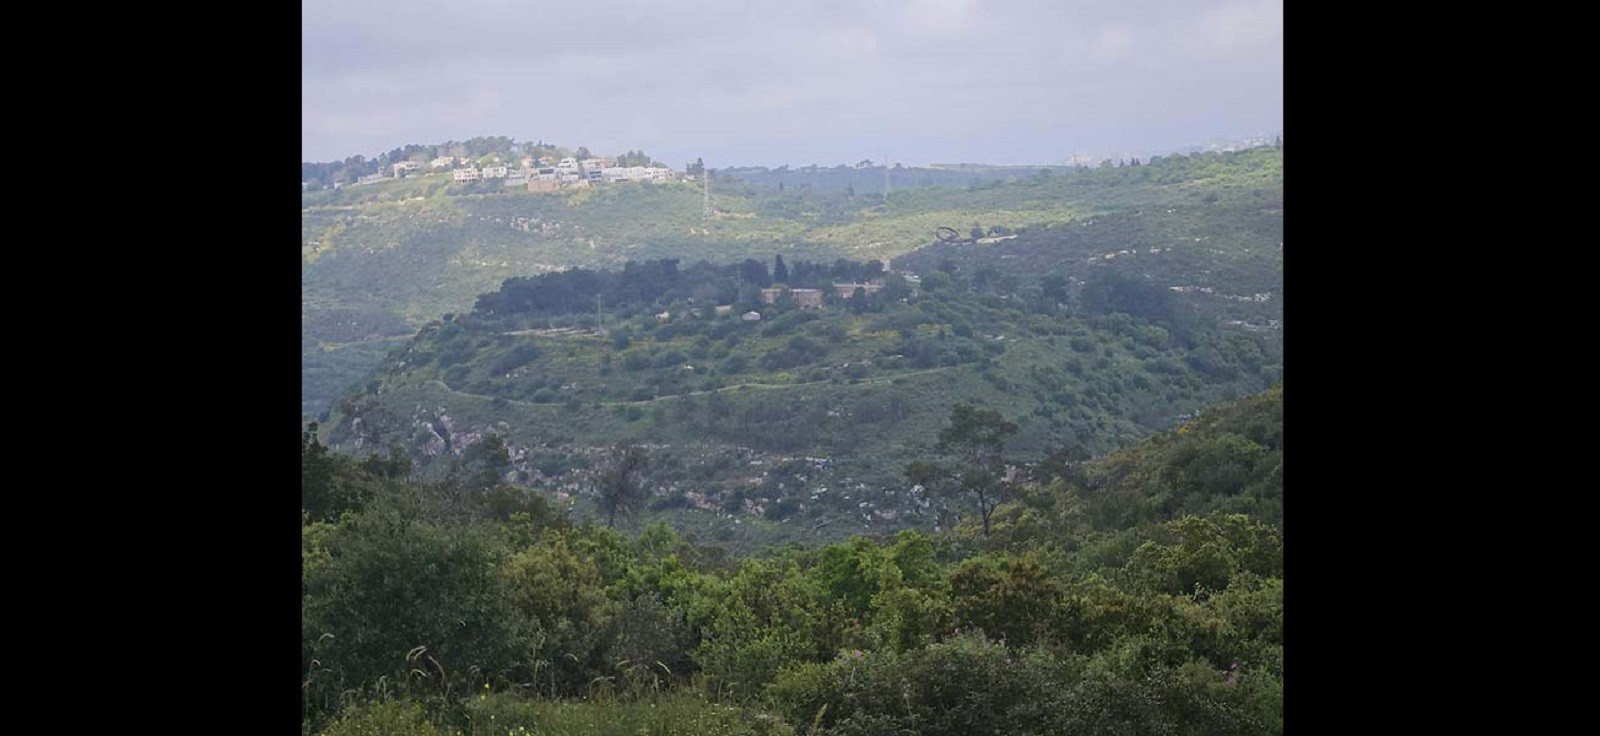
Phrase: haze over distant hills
(382,258)
(1092,305)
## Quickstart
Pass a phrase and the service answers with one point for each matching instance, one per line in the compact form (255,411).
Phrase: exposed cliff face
(426,435)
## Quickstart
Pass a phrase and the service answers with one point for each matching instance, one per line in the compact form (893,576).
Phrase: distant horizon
(1085,156)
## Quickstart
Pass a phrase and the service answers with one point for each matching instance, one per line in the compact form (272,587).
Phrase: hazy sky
(770,82)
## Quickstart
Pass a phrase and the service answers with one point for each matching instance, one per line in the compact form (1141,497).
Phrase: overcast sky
(764,82)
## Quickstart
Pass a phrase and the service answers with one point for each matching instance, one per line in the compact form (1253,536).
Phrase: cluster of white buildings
(542,174)
(567,172)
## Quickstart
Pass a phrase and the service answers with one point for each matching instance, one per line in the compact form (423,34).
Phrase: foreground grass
(508,715)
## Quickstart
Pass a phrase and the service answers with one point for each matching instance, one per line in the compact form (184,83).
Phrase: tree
(1054,288)
(619,487)
(780,272)
(482,465)
(583,153)
(754,272)
(381,583)
(974,444)
(327,485)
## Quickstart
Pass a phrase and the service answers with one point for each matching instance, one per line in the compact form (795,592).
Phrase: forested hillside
(1138,593)
(384,258)
(795,426)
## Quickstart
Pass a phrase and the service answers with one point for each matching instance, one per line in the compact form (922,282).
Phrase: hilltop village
(536,174)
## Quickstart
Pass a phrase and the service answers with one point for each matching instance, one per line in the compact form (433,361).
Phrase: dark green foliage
(797,352)
(619,486)
(1230,459)
(481,465)
(331,483)
(966,686)
(1108,292)
(1012,600)
(635,361)
(381,584)
(517,357)
(1047,626)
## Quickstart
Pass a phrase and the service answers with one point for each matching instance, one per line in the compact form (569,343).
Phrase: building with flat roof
(845,291)
(807,298)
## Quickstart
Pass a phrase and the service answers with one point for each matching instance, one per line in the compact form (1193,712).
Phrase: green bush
(967,686)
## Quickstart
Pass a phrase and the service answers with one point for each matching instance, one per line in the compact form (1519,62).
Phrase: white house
(441,162)
(466,174)
(401,168)
(495,172)
(751,316)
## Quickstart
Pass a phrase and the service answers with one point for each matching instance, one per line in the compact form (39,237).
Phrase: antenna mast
(705,212)
(886,176)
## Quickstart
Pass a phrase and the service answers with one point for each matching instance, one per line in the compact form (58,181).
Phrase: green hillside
(797,427)
(470,606)
(407,251)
